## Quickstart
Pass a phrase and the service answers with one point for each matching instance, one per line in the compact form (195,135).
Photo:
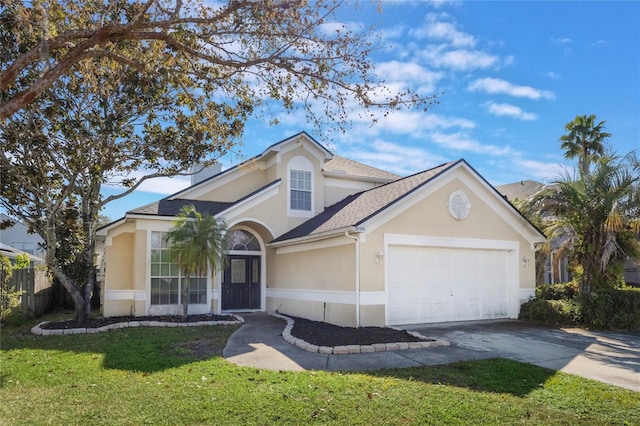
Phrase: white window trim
(301,164)
(180,279)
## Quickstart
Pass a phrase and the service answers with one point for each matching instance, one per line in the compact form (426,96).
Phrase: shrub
(557,312)
(557,291)
(611,309)
(9,300)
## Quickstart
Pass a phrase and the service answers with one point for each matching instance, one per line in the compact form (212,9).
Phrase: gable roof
(341,166)
(522,190)
(167,207)
(171,206)
(357,208)
(267,153)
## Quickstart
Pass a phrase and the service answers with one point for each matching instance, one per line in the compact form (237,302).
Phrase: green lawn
(160,376)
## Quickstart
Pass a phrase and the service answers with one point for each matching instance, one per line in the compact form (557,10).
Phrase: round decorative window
(459,205)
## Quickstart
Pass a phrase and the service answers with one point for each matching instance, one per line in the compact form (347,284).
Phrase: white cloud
(161,185)
(459,60)
(416,124)
(332,28)
(396,158)
(562,40)
(508,110)
(437,4)
(499,86)
(552,75)
(448,32)
(462,142)
(410,73)
(544,171)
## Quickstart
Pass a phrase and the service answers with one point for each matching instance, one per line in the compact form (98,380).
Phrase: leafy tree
(588,217)
(22,261)
(196,245)
(584,140)
(119,92)
(263,49)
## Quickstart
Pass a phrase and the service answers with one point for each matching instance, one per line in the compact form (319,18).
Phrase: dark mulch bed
(324,334)
(100,322)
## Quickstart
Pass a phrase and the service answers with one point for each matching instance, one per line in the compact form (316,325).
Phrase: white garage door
(436,284)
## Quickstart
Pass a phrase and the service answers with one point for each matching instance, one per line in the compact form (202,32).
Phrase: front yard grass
(177,376)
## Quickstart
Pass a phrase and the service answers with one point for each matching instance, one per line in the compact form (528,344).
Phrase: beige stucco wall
(320,269)
(119,274)
(118,259)
(372,316)
(246,181)
(430,217)
(338,189)
(333,313)
(489,219)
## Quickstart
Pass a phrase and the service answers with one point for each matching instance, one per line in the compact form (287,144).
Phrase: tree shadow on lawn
(140,349)
(497,375)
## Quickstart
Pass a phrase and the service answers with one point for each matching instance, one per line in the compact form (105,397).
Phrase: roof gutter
(313,237)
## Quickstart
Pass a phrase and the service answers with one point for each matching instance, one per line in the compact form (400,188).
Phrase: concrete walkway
(608,357)
(258,343)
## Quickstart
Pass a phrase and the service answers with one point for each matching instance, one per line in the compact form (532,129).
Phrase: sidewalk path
(258,343)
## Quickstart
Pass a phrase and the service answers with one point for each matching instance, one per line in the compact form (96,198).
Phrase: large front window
(300,190)
(167,279)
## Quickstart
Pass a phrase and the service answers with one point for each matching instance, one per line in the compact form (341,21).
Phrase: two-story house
(319,236)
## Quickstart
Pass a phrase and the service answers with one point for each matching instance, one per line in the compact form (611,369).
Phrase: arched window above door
(241,240)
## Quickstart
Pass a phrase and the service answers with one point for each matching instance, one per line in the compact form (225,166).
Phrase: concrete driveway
(604,356)
(607,357)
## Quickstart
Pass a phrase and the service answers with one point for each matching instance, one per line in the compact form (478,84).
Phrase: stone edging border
(37,330)
(358,349)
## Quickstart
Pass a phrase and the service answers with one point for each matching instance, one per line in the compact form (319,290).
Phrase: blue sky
(513,73)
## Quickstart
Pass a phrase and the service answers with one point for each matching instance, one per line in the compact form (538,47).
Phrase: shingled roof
(522,190)
(166,207)
(341,165)
(357,208)
(171,207)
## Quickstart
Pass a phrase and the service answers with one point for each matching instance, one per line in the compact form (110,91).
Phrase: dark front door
(241,283)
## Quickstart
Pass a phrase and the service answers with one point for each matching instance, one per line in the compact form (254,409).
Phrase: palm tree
(589,215)
(584,140)
(196,244)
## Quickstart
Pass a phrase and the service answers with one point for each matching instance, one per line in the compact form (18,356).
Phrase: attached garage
(449,279)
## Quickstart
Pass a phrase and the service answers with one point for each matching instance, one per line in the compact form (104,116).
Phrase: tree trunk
(81,303)
(81,296)
(185,296)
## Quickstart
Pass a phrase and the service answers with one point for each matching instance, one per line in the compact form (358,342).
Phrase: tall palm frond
(196,244)
(588,217)
(584,140)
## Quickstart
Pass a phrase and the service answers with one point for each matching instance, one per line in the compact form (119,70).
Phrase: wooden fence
(37,291)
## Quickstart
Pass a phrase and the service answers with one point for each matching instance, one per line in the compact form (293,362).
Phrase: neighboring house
(18,237)
(12,253)
(316,235)
(557,267)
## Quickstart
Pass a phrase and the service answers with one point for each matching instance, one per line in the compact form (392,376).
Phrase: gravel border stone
(37,330)
(429,342)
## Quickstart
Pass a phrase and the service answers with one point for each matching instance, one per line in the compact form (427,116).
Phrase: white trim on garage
(465,245)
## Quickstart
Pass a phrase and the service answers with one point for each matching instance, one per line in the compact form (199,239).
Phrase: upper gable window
(300,190)
(300,197)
